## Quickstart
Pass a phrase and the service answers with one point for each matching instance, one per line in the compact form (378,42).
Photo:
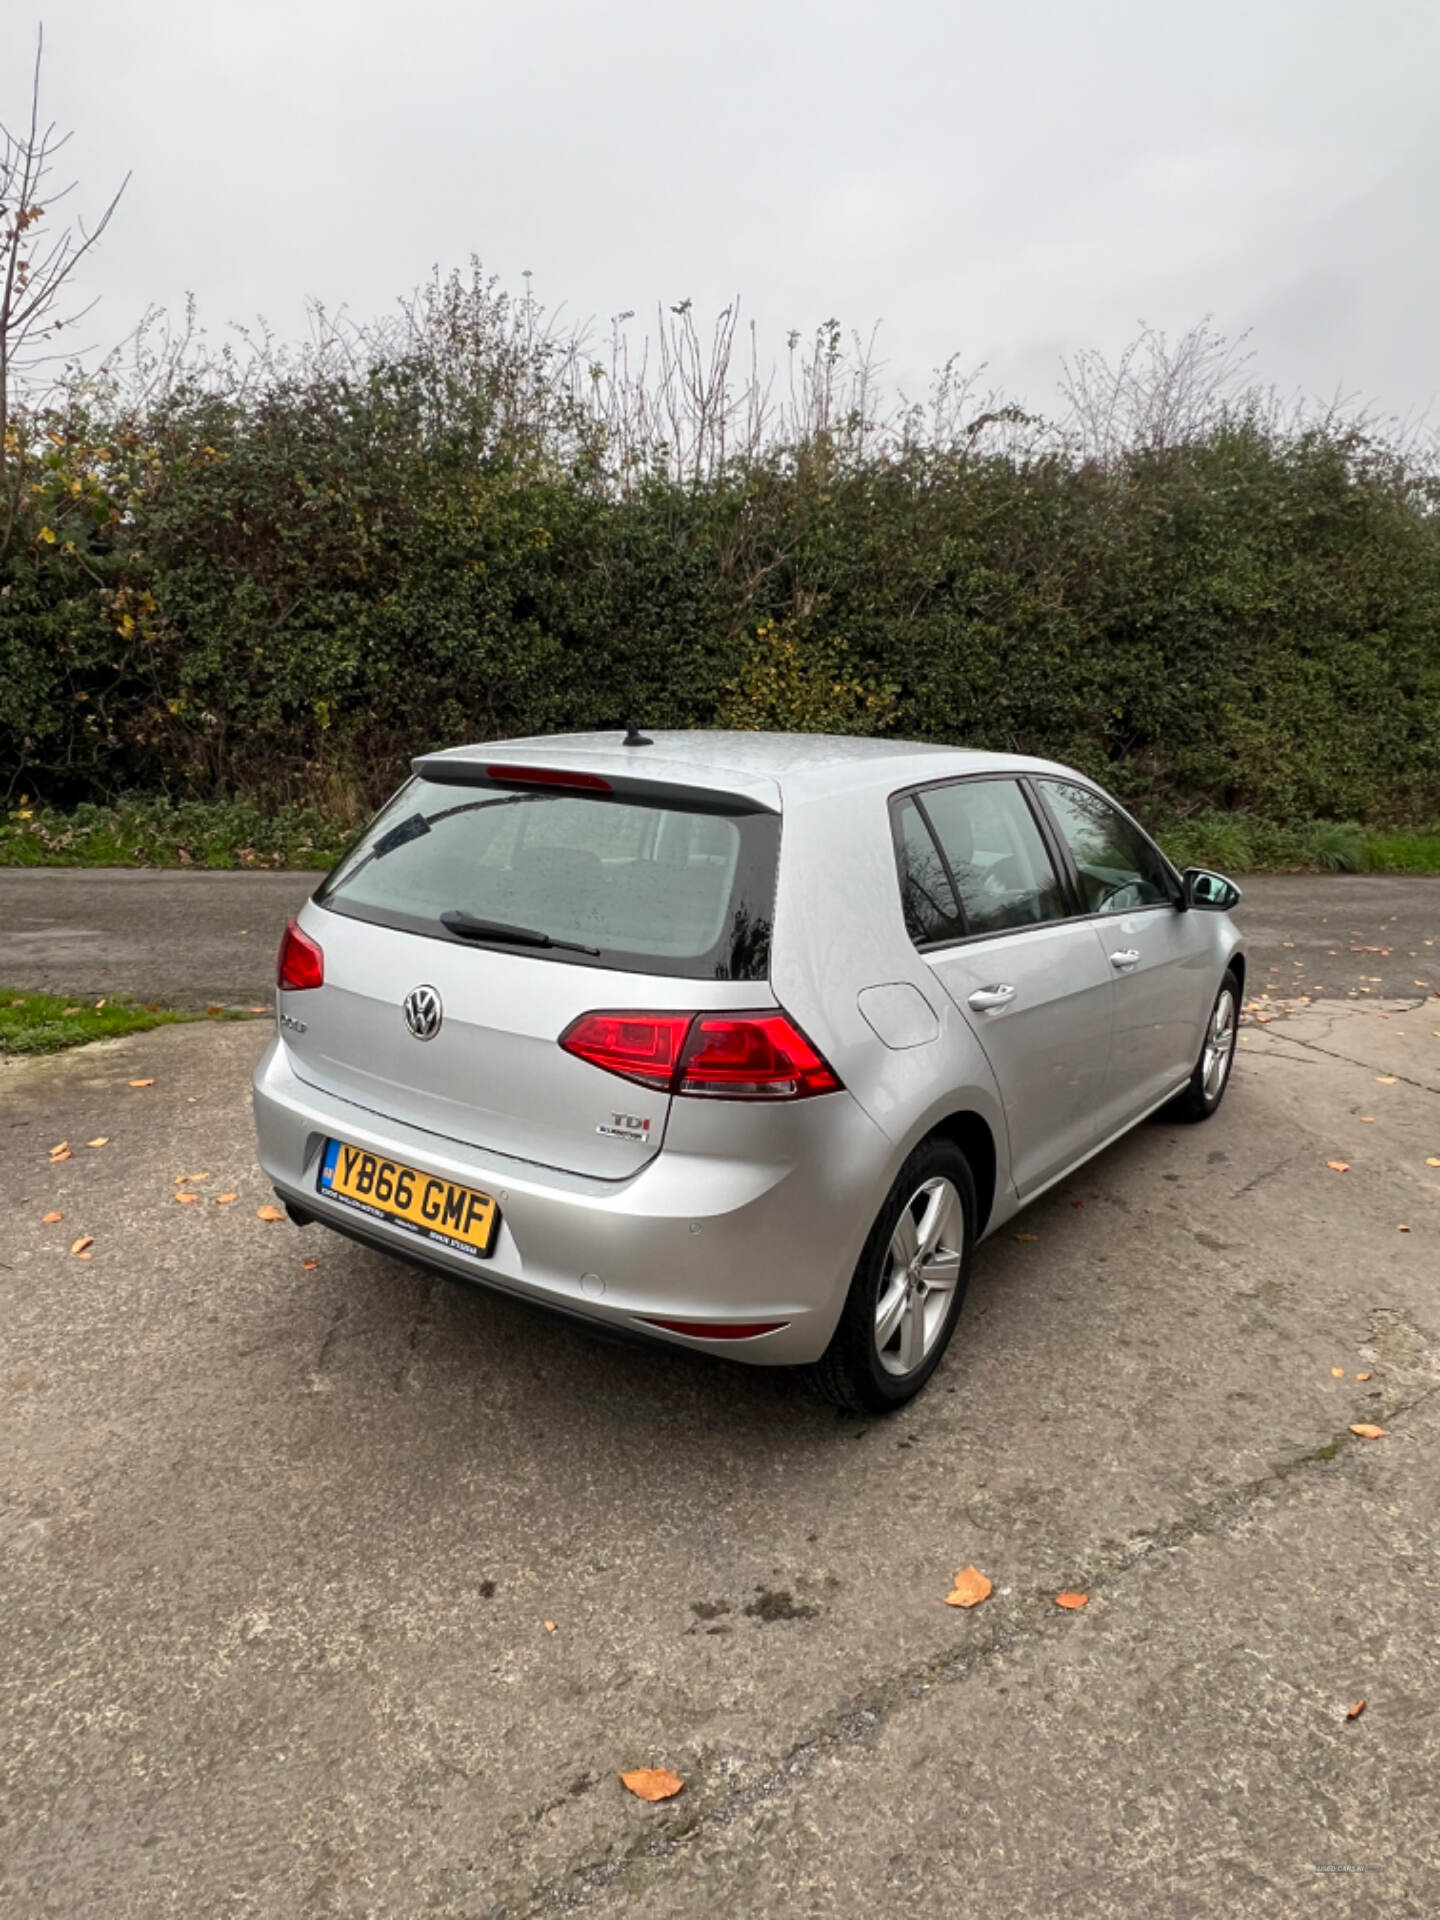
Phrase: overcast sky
(1008,181)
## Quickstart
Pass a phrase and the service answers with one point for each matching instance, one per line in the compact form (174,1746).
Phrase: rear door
(650,906)
(1160,959)
(988,910)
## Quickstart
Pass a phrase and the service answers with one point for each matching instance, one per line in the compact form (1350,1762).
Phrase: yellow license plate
(436,1209)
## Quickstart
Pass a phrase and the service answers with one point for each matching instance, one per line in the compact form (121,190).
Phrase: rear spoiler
(597,776)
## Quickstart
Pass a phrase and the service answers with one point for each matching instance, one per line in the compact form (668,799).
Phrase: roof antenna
(634,737)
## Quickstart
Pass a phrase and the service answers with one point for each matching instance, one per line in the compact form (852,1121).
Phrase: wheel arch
(971,1133)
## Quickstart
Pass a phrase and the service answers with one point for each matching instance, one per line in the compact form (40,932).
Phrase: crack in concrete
(1031,1619)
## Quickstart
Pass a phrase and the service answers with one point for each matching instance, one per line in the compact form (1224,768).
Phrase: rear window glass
(650,888)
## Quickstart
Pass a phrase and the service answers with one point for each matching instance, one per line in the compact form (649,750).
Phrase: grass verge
(145,832)
(47,1023)
(1241,843)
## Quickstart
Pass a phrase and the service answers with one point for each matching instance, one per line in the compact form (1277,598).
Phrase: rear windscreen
(650,888)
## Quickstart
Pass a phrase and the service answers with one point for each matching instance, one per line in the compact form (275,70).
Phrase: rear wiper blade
(457,921)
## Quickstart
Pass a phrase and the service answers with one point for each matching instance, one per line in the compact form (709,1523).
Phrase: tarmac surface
(282,1545)
(189,939)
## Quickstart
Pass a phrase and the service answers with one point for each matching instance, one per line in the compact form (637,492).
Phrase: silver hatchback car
(739,1041)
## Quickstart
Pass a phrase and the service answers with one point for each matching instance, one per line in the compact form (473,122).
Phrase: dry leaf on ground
(224,1199)
(188,1199)
(1024,1236)
(68,1013)
(51,1219)
(142,1083)
(85,1240)
(1367,1432)
(268,1213)
(1433,1161)
(971,1587)
(1354,1713)
(1338,1166)
(1387,1079)
(1072,1602)
(102,1141)
(652,1783)
(1337,1373)
(549,1626)
(309,1266)
(1364,1376)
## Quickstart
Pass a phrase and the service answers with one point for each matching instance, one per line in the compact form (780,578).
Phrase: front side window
(987,869)
(614,882)
(1118,868)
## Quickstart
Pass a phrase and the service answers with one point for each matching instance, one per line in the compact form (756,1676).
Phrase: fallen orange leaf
(652,1783)
(971,1587)
(214,1010)
(1367,1119)
(188,1199)
(85,1240)
(103,1141)
(50,1219)
(1386,1079)
(1072,1602)
(142,1083)
(224,1199)
(1338,1166)
(1024,1236)
(309,1266)
(1400,1229)
(1433,1161)
(268,1213)
(549,1626)
(1369,1433)
(68,1013)
(1364,1376)
(98,1005)
(259,1009)
(61,1146)
(83,1256)
(1354,1713)
(1337,1373)
(57,1154)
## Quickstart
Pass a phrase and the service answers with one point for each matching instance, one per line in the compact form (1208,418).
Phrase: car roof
(799,765)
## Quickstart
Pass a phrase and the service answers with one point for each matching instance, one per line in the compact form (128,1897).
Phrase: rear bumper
(691,1236)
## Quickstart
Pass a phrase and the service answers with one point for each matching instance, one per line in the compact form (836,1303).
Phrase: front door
(988,910)
(1160,959)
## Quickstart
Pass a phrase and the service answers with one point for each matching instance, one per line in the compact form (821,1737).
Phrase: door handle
(991,999)
(1127,958)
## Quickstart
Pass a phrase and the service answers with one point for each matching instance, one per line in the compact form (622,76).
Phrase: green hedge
(281,593)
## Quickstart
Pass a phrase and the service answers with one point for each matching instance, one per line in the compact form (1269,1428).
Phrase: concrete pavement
(278,1544)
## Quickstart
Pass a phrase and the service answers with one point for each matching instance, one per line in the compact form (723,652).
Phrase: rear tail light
(752,1056)
(638,1046)
(730,1056)
(301,963)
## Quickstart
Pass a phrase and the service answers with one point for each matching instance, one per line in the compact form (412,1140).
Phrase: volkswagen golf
(737,1041)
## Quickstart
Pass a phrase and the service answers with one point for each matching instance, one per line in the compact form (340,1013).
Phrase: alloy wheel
(922,1270)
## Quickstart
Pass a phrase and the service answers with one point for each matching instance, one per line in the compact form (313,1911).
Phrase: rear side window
(652,888)
(995,871)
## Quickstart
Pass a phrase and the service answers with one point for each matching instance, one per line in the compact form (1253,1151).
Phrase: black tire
(1196,1103)
(851,1371)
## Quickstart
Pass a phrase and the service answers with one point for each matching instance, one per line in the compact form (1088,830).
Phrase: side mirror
(1209,890)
